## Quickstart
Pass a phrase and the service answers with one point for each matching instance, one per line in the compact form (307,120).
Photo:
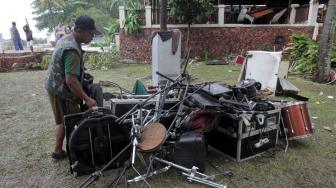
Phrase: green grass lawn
(27,137)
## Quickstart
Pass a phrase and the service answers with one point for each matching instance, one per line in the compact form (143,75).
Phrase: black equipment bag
(93,138)
(190,150)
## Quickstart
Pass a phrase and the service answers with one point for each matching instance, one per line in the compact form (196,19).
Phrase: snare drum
(296,120)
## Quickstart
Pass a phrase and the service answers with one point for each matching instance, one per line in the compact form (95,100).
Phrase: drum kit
(148,136)
(196,109)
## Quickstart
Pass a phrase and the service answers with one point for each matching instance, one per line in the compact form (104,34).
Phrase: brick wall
(215,41)
(7,60)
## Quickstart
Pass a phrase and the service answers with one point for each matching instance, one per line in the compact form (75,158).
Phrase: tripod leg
(94,176)
(121,175)
(150,168)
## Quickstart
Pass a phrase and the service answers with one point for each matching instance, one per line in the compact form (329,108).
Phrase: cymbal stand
(191,173)
(136,130)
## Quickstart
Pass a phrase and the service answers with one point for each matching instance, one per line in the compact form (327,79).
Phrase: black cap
(86,23)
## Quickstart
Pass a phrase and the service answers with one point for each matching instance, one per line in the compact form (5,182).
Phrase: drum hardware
(285,131)
(192,174)
(290,121)
(138,124)
(304,121)
(170,132)
(156,172)
(147,135)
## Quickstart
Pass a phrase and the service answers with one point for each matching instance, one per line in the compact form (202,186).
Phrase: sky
(17,10)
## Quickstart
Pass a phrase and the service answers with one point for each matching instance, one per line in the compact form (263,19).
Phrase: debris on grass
(327,128)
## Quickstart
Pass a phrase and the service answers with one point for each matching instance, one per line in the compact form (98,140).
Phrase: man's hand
(76,88)
(91,103)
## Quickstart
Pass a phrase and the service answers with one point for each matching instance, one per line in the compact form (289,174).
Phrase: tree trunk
(325,43)
(163,15)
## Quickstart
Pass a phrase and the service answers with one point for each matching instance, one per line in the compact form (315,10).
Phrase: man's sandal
(59,156)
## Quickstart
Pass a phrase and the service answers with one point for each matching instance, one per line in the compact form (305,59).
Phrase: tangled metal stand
(191,173)
(142,119)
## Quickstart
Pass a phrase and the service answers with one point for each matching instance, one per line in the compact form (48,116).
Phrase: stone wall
(213,41)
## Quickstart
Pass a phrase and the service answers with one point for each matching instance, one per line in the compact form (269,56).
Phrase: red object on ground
(239,60)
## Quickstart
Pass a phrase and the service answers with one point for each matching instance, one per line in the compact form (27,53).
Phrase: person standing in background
(16,37)
(29,36)
(59,31)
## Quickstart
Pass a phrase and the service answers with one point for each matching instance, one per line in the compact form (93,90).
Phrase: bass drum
(94,142)
(296,121)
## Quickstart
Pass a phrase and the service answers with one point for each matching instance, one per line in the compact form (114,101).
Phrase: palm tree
(325,43)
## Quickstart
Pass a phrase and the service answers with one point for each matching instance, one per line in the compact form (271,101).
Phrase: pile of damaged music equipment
(175,126)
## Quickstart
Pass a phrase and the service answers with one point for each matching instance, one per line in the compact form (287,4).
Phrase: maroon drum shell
(296,120)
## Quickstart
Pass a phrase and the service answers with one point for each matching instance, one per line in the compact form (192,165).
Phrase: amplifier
(241,141)
(120,106)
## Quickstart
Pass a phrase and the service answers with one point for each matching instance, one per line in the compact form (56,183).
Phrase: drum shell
(106,138)
(296,120)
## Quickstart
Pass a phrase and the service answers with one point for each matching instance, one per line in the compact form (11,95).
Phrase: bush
(43,63)
(132,22)
(102,61)
(304,52)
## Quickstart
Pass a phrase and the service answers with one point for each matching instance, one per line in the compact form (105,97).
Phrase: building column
(122,16)
(293,13)
(313,10)
(221,14)
(148,16)
(1,44)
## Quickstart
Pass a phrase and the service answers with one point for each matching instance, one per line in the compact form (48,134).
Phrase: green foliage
(132,20)
(266,47)
(49,13)
(102,61)
(111,31)
(114,7)
(45,61)
(188,10)
(42,64)
(304,52)
(101,19)
(333,56)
